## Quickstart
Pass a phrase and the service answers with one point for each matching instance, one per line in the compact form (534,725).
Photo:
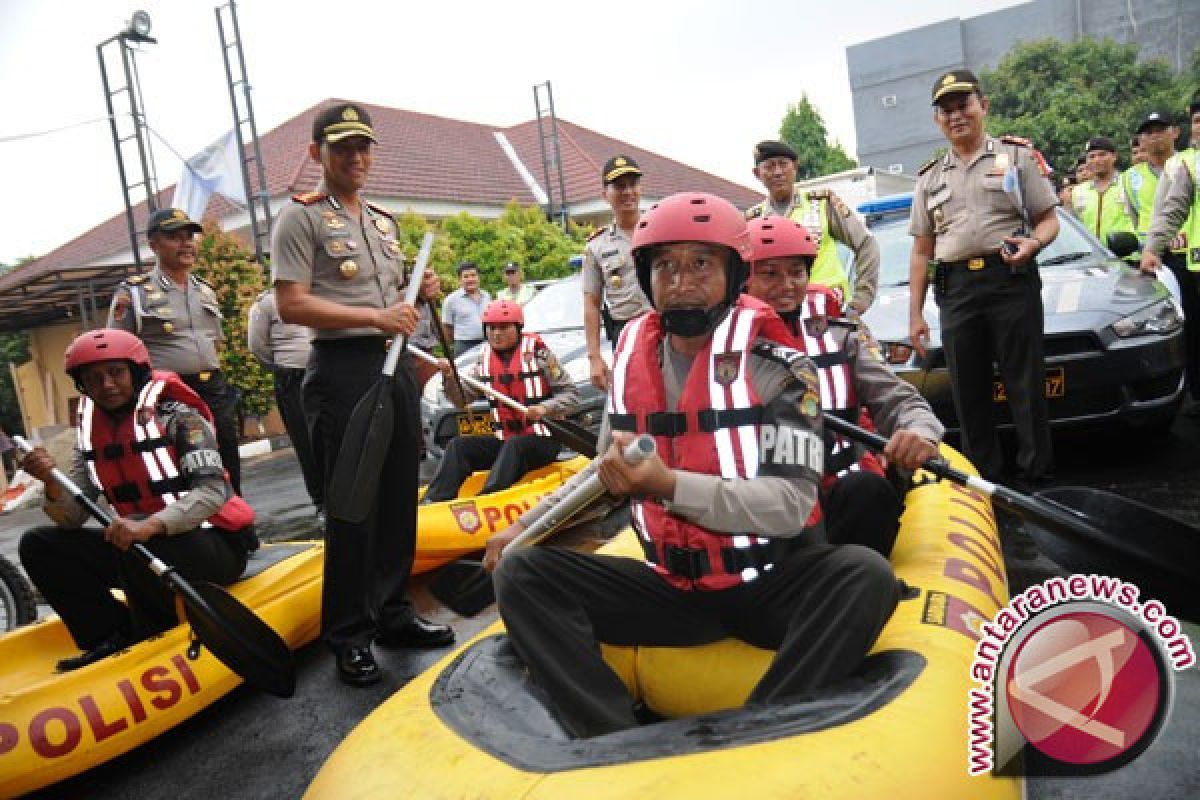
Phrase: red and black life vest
(714,430)
(135,465)
(522,379)
(816,336)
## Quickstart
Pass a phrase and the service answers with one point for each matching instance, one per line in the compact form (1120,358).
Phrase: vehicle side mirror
(1123,243)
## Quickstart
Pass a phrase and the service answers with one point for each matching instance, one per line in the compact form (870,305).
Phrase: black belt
(355,343)
(989,261)
(201,377)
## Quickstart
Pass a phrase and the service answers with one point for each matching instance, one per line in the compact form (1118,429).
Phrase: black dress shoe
(417,632)
(356,666)
(113,644)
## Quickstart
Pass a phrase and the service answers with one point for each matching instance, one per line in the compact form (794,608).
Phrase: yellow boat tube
(474,727)
(54,726)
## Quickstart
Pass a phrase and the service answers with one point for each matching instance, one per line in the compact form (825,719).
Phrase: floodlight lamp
(139,27)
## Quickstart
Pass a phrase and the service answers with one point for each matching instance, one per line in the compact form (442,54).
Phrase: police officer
(860,504)
(828,221)
(610,288)
(193,521)
(982,213)
(336,268)
(1175,224)
(728,537)
(515,288)
(284,349)
(178,317)
(1099,203)
(1157,135)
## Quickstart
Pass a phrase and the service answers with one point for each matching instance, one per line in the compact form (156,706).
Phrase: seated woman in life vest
(521,366)
(146,442)
(861,506)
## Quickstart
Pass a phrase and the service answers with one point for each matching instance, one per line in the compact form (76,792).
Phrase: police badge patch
(467,517)
(816,326)
(726,367)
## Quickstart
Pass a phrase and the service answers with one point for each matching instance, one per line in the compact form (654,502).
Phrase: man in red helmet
(146,442)
(726,512)
(859,502)
(521,366)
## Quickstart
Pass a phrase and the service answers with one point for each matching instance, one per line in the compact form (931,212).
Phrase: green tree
(1060,94)
(804,129)
(14,349)
(230,269)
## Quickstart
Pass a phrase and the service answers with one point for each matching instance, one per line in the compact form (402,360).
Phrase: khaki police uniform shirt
(609,271)
(274,342)
(844,226)
(180,325)
(964,205)
(777,502)
(353,262)
(1174,200)
(199,465)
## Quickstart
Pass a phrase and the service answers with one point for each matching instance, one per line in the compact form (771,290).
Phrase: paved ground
(253,746)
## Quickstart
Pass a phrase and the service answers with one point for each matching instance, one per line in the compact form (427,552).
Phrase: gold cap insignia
(949,79)
(178,214)
(350,115)
(620,162)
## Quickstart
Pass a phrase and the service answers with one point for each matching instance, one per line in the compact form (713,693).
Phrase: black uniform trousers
(289,399)
(992,315)
(862,508)
(366,565)
(1189,293)
(222,400)
(507,461)
(75,568)
(821,608)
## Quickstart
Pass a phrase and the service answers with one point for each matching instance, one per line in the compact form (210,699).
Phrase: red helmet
(692,217)
(780,237)
(106,344)
(499,312)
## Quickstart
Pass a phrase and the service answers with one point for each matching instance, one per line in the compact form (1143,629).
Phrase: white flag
(216,168)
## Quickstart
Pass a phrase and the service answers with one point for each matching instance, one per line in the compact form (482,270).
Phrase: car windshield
(895,245)
(556,307)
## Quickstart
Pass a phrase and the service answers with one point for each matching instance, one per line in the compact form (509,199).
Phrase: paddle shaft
(440,332)
(587,492)
(410,297)
(482,388)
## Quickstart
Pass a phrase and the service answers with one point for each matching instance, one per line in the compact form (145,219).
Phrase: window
(888,100)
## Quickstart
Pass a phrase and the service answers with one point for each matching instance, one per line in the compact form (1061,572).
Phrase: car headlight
(1160,318)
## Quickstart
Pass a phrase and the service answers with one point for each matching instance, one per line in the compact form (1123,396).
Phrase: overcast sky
(699,81)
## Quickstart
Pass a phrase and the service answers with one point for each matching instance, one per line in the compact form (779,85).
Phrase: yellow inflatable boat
(448,531)
(54,726)
(474,727)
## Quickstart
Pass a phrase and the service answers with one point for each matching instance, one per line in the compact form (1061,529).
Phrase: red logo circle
(1084,688)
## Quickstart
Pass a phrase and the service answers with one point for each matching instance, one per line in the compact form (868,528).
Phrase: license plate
(474,426)
(1055,386)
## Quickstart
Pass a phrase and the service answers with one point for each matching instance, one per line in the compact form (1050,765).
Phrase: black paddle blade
(573,435)
(464,587)
(239,639)
(1137,543)
(355,480)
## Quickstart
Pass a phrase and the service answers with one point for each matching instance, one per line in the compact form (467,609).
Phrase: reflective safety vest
(838,397)
(1102,212)
(714,431)
(1139,184)
(130,459)
(521,378)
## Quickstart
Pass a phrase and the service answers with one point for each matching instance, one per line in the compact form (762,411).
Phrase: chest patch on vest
(784,445)
(726,367)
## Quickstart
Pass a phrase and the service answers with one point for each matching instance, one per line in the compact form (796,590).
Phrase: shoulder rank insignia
(928,165)
(378,209)
(308,198)
(1008,138)
(134,280)
(597,232)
